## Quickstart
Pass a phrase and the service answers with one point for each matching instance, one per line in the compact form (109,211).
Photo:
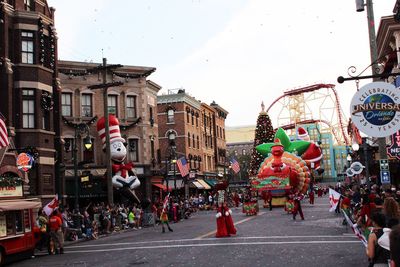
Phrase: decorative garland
(46,101)
(41,42)
(7,180)
(52,46)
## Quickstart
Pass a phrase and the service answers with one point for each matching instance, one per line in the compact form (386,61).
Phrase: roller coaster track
(338,108)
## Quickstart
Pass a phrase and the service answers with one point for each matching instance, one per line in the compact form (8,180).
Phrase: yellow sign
(11,191)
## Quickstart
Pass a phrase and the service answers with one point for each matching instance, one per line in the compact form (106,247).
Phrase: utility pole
(103,68)
(374,58)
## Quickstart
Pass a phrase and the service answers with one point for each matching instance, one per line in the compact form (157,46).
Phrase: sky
(234,52)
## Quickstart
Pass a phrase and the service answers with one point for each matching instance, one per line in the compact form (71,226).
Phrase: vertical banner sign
(375,109)
(394,150)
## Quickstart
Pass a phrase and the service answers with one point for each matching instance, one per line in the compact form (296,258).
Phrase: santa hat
(115,134)
(302,134)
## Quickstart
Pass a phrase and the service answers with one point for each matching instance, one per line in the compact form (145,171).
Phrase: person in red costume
(311,195)
(222,230)
(228,220)
(313,154)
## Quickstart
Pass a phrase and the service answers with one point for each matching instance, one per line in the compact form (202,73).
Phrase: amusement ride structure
(314,104)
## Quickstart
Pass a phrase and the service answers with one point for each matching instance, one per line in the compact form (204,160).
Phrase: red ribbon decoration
(123,168)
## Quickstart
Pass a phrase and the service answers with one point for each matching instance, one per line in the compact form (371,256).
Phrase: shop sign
(24,162)
(11,191)
(375,109)
(394,150)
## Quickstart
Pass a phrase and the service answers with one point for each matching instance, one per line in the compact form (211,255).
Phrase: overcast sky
(234,52)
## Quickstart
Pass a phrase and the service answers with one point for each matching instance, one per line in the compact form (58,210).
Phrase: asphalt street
(271,238)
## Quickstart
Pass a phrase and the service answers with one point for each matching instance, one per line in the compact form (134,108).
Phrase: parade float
(287,166)
(124,177)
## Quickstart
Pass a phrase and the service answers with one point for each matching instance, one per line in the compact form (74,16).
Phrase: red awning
(161,186)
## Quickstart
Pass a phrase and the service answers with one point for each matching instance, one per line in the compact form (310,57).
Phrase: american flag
(235,165)
(3,134)
(183,166)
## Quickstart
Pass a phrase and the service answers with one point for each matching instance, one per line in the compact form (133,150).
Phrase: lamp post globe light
(81,128)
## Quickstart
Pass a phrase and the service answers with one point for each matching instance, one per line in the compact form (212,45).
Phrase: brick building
(133,103)
(29,94)
(187,128)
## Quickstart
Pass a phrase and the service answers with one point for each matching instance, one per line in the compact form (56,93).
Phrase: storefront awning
(161,186)
(204,184)
(171,184)
(19,205)
(197,184)
(211,182)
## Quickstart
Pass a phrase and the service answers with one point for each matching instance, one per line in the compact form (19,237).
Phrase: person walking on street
(297,206)
(164,220)
(55,224)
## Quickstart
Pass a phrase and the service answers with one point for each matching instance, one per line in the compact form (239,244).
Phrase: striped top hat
(115,134)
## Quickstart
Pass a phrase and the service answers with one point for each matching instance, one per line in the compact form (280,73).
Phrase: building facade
(134,103)
(29,94)
(187,128)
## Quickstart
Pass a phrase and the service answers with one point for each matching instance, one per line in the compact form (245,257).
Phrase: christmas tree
(264,134)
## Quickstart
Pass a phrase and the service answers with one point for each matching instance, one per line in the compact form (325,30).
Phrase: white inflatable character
(124,175)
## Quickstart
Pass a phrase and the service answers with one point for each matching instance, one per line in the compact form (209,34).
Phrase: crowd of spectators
(376,211)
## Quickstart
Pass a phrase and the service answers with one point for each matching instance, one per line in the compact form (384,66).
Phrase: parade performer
(311,196)
(225,225)
(164,215)
(297,205)
(124,175)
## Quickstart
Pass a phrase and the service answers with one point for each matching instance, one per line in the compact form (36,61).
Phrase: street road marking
(212,238)
(239,222)
(214,244)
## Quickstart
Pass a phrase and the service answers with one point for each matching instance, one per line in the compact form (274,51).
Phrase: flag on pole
(333,199)
(356,229)
(51,206)
(183,166)
(235,165)
(3,134)
(165,203)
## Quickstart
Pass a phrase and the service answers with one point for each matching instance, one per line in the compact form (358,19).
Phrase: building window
(131,106)
(198,142)
(27,47)
(86,103)
(170,114)
(151,119)
(133,150)
(197,120)
(28,5)
(28,108)
(188,139)
(192,118)
(194,141)
(66,104)
(188,117)
(112,105)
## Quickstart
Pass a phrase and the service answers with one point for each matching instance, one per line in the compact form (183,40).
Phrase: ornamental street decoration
(394,150)
(375,109)
(356,167)
(24,162)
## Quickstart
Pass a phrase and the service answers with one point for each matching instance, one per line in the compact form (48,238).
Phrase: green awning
(211,182)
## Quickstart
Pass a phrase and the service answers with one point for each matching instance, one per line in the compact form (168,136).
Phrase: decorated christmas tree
(264,134)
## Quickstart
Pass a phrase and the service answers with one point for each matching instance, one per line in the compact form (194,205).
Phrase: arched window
(170,116)
(194,142)
(188,139)
(198,142)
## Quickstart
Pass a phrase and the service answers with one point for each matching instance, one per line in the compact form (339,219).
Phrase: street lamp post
(81,128)
(172,156)
(364,146)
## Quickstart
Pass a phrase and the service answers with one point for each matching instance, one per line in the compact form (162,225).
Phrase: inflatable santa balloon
(313,155)
(124,176)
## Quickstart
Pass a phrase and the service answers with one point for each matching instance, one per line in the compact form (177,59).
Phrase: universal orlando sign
(375,109)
